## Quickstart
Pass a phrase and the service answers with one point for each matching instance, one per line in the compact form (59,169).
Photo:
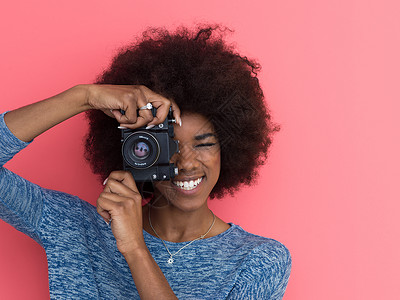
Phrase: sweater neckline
(210,239)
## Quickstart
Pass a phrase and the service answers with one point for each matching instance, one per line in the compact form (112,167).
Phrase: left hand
(121,202)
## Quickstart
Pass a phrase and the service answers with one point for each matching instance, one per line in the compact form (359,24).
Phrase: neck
(174,225)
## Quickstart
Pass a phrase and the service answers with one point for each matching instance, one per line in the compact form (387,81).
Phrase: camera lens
(141,150)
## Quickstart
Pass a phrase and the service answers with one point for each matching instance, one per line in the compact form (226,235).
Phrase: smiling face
(199,164)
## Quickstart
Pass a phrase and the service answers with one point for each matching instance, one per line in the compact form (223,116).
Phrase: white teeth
(188,185)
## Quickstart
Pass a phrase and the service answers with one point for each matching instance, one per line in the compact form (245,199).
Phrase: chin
(187,200)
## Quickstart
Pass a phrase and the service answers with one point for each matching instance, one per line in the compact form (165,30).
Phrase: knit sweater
(84,262)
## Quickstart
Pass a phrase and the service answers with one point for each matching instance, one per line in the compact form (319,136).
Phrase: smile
(188,185)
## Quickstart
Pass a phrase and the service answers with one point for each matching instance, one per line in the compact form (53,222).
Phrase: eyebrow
(204,136)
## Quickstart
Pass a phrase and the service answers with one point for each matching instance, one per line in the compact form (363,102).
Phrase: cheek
(216,166)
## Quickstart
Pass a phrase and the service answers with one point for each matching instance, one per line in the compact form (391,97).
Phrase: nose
(187,159)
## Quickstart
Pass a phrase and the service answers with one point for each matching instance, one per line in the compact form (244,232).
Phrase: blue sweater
(84,262)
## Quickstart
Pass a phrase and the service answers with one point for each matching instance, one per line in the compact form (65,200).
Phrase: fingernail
(105,181)
(108,223)
(122,127)
(150,126)
(180,122)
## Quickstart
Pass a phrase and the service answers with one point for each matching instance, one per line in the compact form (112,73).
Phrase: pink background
(331,75)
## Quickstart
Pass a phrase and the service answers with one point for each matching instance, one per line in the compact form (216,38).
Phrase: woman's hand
(29,121)
(111,99)
(121,203)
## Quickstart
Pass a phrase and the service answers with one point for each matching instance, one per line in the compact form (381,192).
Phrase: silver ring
(147,106)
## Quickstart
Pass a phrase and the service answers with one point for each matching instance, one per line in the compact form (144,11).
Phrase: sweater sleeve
(21,202)
(264,275)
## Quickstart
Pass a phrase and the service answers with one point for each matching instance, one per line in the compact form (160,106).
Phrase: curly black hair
(204,75)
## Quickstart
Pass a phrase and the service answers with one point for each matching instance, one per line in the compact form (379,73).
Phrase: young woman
(174,246)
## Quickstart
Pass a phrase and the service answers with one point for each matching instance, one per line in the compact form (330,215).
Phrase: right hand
(121,202)
(113,98)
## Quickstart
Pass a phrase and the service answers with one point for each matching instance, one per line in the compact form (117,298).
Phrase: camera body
(146,152)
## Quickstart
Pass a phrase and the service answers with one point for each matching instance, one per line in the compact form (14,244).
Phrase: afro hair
(203,74)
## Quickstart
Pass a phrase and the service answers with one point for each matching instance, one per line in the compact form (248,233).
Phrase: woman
(173,246)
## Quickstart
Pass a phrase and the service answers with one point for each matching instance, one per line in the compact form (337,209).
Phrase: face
(199,164)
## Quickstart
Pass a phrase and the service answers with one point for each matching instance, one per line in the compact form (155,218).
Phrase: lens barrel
(140,150)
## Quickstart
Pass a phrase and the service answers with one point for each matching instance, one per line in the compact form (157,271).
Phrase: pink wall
(331,75)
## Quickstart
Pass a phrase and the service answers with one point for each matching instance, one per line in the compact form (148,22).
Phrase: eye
(205,145)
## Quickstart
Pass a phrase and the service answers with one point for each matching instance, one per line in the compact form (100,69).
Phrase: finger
(162,113)
(116,113)
(116,187)
(108,112)
(113,206)
(131,101)
(176,112)
(134,116)
(145,117)
(124,177)
(161,103)
(115,198)
(104,213)
(107,204)
(163,108)
(133,104)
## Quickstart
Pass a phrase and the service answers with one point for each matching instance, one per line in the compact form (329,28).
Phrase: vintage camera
(146,153)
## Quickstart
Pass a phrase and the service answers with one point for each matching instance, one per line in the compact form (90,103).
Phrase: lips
(188,185)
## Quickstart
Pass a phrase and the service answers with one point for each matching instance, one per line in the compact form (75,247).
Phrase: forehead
(192,125)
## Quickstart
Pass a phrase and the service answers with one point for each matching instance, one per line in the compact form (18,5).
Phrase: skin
(176,216)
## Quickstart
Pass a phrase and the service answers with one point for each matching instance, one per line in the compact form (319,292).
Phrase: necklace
(170,260)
